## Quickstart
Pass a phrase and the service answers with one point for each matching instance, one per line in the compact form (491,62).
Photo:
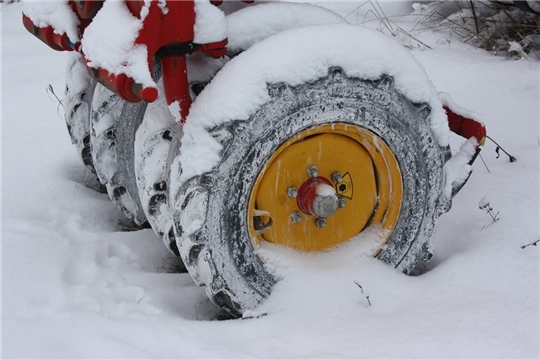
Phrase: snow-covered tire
(78,104)
(211,211)
(248,25)
(251,25)
(156,145)
(114,124)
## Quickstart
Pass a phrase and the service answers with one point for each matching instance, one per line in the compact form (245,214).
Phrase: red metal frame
(465,127)
(166,36)
(86,9)
(47,35)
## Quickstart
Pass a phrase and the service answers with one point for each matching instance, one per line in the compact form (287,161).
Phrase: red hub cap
(317,197)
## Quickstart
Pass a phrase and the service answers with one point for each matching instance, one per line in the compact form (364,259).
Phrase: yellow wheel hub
(355,162)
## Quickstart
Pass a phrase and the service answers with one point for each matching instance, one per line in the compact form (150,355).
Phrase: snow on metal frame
(57,14)
(109,40)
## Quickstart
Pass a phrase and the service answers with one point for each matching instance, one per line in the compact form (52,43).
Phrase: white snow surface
(78,74)
(325,190)
(55,13)
(210,24)
(483,202)
(253,24)
(447,101)
(75,285)
(296,56)
(457,169)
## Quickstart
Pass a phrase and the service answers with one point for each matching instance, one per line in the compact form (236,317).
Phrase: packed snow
(210,24)
(253,24)
(77,283)
(457,169)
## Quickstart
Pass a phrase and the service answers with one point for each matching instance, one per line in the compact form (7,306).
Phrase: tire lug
(292,192)
(337,177)
(342,203)
(296,217)
(320,223)
(313,171)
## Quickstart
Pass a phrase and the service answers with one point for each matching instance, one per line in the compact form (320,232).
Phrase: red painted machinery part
(124,86)
(465,127)
(159,31)
(86,9)
(307,193)
(58,42)
(175,83)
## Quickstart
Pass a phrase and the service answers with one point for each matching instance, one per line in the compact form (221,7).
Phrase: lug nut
(313,171)
(342,203)
(296,217)
(320,223)
(337,177)
(292,192)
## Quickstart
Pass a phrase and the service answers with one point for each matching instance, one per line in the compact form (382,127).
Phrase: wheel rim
(361,187)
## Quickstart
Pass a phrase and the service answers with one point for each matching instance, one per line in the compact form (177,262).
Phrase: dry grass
(502,29)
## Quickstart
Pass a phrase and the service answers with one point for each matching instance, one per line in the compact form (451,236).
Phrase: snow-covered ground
(76,284)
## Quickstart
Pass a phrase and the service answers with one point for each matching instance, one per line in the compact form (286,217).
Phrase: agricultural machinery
(228,126)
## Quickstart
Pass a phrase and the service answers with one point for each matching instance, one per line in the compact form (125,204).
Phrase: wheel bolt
(313,171)
(337,177)
(292,192)
(296,217)
(342,203)
(320,223)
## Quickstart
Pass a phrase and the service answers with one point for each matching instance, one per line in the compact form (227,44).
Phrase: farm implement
(277,123)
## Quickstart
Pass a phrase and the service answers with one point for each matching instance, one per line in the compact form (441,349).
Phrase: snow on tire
(156,145)
(223,251)
(228,193)
(114,124)
(78,104)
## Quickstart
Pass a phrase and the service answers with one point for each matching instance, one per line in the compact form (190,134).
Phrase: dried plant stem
(531,244)
(363,292)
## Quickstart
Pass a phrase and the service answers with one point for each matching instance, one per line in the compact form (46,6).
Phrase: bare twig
(355,9)
(363,292)
(50,91)
(485,205)
(531,244)
(253,316)
(481,158)
(474,16)
(499,147)
(488,25)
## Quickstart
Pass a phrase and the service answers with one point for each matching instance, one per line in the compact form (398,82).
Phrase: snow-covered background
(76,284)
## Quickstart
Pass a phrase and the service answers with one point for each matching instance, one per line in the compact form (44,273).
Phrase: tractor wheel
(314,166)
(78,104)
(156,145)
(114,123)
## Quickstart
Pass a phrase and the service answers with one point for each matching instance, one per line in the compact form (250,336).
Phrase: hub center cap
(317,197)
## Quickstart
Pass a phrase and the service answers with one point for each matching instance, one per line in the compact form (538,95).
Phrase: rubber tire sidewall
(113,149)
(239,279)
(78,106)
